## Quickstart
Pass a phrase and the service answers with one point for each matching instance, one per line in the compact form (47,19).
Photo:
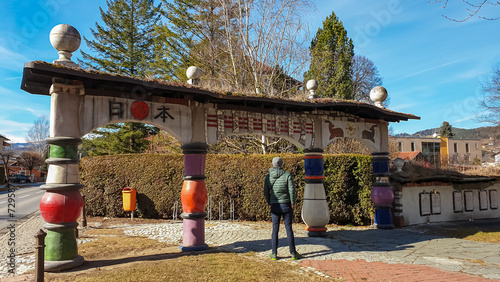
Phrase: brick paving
(361,270)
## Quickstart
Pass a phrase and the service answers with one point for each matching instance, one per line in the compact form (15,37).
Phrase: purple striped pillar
(382,194)
(194,197)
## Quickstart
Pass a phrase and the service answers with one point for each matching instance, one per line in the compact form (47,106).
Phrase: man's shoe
(296,256)
(273,257)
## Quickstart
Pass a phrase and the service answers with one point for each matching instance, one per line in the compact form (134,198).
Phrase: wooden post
(84,216)
(39,255)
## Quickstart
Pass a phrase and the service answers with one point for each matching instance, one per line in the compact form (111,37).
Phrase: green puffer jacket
(279,187)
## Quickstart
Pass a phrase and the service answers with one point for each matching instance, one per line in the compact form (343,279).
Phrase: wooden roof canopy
(38,77)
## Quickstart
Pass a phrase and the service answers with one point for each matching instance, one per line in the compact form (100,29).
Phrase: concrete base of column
(316,234)
(56,266)
(193,235)
(316,231)
(383,218)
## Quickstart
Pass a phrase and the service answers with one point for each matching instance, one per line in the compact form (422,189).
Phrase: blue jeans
(285,211)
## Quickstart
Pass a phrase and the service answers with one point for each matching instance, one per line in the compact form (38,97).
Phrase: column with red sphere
(62,202)
(194,197)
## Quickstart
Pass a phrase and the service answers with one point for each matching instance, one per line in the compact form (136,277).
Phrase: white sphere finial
(399,163)
(312,85)
(65,39)
(378,95)
(193,74)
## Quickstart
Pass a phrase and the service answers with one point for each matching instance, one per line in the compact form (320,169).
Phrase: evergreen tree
(193,34)
(113,139)
(126,42)
(332,53)
(446,130)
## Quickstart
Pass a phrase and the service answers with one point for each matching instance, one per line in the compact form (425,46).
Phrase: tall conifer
(125,42)
(331,58)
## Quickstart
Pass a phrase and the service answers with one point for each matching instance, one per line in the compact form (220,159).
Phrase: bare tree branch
(491,97)
(473,8)
(37,135)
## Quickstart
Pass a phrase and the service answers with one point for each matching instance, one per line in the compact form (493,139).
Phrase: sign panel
(469,201)
(493,199)
(172,116)
(458,205)
(436,203)
(425,204)
(483,200)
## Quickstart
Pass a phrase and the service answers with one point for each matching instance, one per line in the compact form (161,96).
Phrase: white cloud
(15,139)
(13,78)
(401,107)
(14,130)
(11,60)
(431,69)
(465,119)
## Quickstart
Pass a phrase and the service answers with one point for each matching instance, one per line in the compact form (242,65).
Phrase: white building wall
(411,205)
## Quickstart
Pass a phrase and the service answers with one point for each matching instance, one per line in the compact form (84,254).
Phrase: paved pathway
(354,254)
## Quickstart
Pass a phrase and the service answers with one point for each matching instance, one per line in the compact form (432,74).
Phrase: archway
(82,100)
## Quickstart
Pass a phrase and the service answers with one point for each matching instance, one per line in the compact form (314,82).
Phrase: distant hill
(20,146)
(475,133)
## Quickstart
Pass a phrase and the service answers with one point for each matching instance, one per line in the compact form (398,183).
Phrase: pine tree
(331,58)
(127,138)
(126,42)
(446,130)
(193,34)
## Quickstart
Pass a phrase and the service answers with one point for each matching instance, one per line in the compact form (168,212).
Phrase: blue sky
(432,67)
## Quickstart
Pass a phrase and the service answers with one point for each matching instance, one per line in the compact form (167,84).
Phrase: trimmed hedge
(158,180)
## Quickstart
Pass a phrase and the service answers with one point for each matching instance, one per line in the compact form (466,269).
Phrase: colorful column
(194,197)
(382,194)
(61,204)
(315,213)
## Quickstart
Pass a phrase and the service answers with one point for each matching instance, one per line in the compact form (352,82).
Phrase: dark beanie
(277,162)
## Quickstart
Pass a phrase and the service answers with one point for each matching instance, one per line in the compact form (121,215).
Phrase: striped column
(194,197)
(315,213)
(61,204)
(382,194)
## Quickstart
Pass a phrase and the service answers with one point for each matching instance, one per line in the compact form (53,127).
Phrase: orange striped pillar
(194,197)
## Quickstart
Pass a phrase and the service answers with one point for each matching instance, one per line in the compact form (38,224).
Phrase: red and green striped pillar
(194,197)
(315,213)
(61,204)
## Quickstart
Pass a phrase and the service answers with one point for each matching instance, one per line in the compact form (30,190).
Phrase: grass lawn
(112,255)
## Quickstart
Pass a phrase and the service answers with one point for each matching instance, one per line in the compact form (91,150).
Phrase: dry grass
(485,237)
(114,256)
(199,267)
(491,171)
(112,246)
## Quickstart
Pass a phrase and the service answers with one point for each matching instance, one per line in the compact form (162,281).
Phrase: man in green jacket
(281,195)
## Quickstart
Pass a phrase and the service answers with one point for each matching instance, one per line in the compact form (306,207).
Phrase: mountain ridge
(460,133)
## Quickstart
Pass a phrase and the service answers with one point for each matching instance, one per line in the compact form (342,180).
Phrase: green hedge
(158,180)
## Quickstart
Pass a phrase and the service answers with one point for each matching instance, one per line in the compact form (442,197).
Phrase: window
(455,147)
(467,147)
(413,146)
(431,152)
(400,146)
